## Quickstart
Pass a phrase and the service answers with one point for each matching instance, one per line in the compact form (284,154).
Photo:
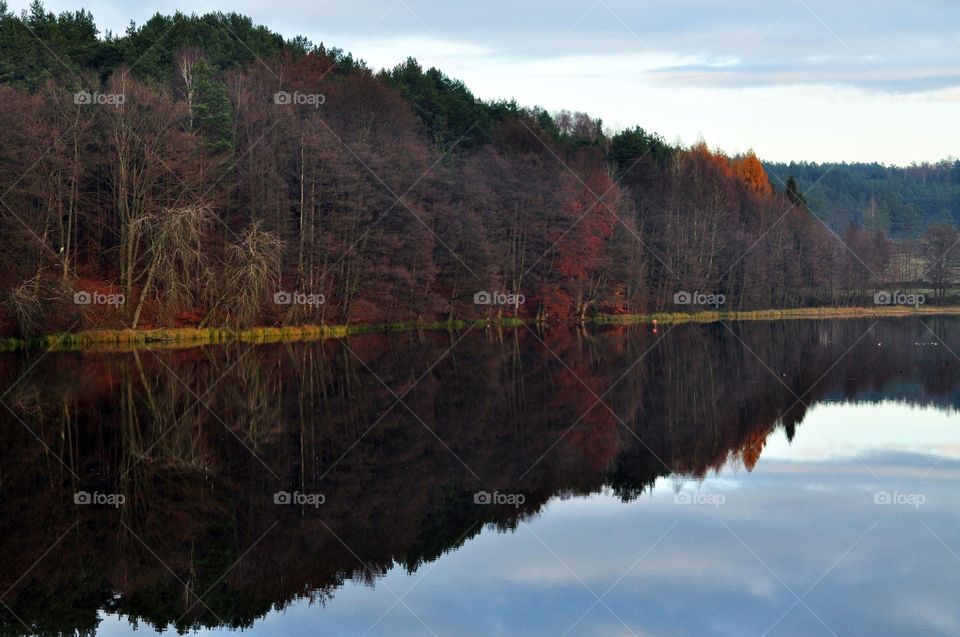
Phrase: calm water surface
(783,478)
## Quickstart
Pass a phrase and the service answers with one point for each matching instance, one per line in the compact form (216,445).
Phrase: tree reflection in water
(398,432)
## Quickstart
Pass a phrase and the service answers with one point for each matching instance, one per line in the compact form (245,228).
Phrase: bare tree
(250,266)
(186,59)
(177,260)
(942,257)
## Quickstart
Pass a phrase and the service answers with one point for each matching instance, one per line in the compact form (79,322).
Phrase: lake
(741,478)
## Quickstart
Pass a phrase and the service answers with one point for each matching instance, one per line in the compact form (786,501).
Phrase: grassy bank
(121,340)
(775,315)
(188,336)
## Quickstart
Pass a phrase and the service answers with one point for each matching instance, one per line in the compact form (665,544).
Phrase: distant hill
(901,201)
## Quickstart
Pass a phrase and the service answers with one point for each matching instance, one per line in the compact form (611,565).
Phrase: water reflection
(398,433)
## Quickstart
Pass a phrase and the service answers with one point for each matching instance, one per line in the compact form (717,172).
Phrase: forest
(902,201)
(204,171)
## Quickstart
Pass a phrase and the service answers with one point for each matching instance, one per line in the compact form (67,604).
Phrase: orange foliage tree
(750,171)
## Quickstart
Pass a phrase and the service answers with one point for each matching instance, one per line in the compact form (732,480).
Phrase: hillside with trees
(204,171)
(902,201)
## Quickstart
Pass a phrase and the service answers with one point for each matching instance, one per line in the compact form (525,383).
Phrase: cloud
(893,47)
(892,79)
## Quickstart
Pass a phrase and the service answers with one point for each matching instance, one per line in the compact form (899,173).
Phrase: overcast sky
(819,80)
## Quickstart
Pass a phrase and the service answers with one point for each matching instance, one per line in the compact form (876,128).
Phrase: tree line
(902,201)
(205,171)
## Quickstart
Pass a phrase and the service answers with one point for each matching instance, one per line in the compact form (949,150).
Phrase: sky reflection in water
(802,545)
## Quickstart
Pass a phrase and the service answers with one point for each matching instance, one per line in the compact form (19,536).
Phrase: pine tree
(793,193)
(211,109)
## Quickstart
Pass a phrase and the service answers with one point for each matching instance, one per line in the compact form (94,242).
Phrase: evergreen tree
(630,145)
(211,109)
(448,109)
(793,193)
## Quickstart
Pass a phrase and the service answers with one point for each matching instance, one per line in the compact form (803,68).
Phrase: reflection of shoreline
(860,428)
(126,340)
(869,470)
(199,498)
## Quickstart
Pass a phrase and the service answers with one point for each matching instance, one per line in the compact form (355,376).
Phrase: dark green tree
(39,45)
(447,108)
(630,145)
(211,115)
(796,197)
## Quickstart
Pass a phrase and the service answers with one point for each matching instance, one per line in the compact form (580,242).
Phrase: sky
(813,80)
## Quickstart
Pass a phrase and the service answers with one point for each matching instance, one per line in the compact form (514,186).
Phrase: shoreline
(128,340)
(800,313)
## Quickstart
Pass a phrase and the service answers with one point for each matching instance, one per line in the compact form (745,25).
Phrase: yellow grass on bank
(775,315)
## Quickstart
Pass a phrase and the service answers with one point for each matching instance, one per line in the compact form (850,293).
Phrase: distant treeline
(202,170)
(901,201)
